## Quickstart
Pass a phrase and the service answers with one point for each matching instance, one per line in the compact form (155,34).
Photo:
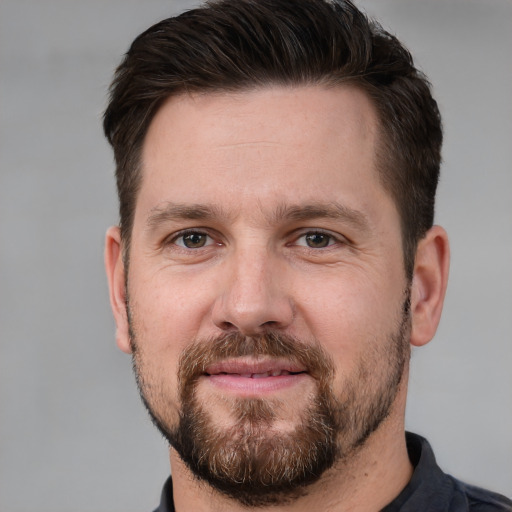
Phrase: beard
(251,461)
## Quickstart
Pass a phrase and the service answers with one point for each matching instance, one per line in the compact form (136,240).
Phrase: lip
(252,377)
(244,366)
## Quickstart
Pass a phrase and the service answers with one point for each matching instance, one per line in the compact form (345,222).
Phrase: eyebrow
(332,210)
(175,211)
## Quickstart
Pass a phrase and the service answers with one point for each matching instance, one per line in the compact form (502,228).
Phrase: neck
(371,479)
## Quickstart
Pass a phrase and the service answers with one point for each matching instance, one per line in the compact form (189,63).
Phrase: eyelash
(332,239)
(188,232)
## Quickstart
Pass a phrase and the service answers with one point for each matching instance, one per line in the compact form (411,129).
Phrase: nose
(254,294)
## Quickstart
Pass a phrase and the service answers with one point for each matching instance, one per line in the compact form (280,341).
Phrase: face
(266,287)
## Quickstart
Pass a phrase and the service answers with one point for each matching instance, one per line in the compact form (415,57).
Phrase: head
(276,164)
(235,46)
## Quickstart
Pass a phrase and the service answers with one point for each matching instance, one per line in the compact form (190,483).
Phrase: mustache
(199,355)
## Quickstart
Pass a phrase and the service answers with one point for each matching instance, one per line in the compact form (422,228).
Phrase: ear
(114,266)
(429,283)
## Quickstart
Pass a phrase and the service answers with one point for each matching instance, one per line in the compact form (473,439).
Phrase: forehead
(279,143)
(280,113)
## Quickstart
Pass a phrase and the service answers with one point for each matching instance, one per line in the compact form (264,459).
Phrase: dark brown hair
(232,45)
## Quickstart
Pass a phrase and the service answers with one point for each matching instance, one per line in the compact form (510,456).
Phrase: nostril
(251,314)
(227,326)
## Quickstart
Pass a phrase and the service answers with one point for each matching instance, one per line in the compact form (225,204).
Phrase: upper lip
(244,366)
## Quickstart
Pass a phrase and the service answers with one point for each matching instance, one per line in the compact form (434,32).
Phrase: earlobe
(114,266)
(429,284)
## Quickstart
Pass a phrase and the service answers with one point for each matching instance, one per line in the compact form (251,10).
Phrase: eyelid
(335,238)
(321,231)
(332,239)
(174,237)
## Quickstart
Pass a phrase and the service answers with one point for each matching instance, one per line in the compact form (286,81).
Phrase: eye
(316,240)
(193,240)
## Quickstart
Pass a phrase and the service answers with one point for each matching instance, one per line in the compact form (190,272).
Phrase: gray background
(73,435)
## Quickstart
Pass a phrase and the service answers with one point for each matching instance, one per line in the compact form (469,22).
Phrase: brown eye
(317,240)
(193,240)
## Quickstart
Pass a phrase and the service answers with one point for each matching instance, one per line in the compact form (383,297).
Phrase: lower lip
(250,387)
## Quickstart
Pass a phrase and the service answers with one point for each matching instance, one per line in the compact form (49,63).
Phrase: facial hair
(251,462)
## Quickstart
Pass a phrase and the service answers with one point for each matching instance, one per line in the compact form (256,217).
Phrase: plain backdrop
(73,434)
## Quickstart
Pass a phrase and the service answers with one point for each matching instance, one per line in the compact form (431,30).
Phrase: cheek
(345,302)
(348,313)
(169,310)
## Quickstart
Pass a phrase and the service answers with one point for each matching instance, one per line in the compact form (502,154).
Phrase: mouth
(264,375)
(259,368)
(254,377)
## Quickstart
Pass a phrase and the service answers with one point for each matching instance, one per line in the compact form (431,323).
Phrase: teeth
(260,375)
(271,373)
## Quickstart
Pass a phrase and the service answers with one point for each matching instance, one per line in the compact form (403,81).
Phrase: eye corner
(316,239)
(191,239)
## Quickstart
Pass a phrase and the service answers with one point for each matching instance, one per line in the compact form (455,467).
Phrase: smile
(273,373)
(255,377)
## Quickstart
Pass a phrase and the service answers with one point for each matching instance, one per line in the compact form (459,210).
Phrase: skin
(255,159)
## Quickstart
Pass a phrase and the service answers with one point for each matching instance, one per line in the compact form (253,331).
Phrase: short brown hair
(232,45)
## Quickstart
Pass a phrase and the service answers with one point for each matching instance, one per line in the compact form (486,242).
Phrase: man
(276,257)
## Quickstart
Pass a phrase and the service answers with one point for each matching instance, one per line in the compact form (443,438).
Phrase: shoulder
(166,499)
(433,490)
(482,500)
